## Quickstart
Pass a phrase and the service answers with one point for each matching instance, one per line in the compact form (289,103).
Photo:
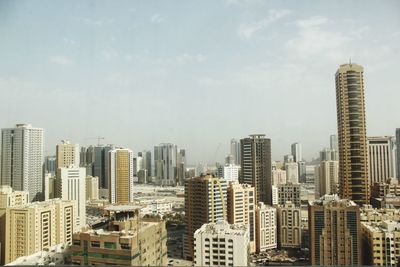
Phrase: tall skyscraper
(328,177)
(165,166)
(333,141)
(334,231)
(147,162)
(256,166)
(22,159)
(205,202)
(398,152)
(181,166)
(121,169)
(381,159)
(235,151)
(100,159)
(297,152)
(353,150)
(67,154)
(328,154)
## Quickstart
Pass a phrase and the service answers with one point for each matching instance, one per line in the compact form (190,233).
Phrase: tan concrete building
(67,154)
(131,242)
(334,231)
(38,226)
(92,188)
(266,235)
(328,177)
(381,243)
(369,214)
(381,158)
(205,202)
(241,208)
(289,226)
(353,149)
(278,177)
(121,169)
(8,198)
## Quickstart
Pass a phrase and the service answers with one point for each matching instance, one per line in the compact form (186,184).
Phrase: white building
(266,236)
(297,152)
(278,177)
(275,196)
(328,177)
(231,172)
(22,160)
(71,185)
(292,172)
(221,244)
(381,158)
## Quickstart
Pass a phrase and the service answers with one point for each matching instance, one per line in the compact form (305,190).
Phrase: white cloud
(60,60)
(92,22)
(69,41)
(190,58)
(109,53)
(247,30)
(157,18)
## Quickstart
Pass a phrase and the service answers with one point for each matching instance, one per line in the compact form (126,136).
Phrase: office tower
(129,242)
(67,154)
(328,154)
(181,166)
(310,174)
(328,177)
(205,202)
(297,152)
(241,207)
(334,231)
(317,181)
(235,151)
(289,226)
(278,177)
(381,243)
(289,192)
(230,159)
(292,172)
(221,244)
(333,141)
(288,158)
(398,152)
(256,168)
(219,170)
(92,188)
(98,158)
(8,198)
(353,150)
(266,236)
(165,164)
(50,165)
(139,162)
(121,169)
(38,226)
(71,185)
(22,159)
(231,172)
(381,159)
(147,162)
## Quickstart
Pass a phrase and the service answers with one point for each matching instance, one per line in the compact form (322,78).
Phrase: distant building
(222,244)
(266,235)
(370,214)
(289,192)
(329,154)
(235,151)
(302,171)
(121,168)
(288,158)
(398,152)
(278,177)
(181,166)
(67,154)
(333,140)
(165,165)
(297,152)
(292,172)
(92,188)
(334,231)
(231,172)
(50,165)
(328,177)
(289,226)
(381,158)
(275,195)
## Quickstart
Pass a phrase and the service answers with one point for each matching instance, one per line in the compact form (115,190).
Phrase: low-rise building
(369,214)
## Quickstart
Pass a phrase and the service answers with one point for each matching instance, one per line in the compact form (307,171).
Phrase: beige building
(278,177)
(266,236)
(92,188)
(289,226)
(38,226)
(328,177)
(381,158)
(381,243)
(353,149)
(241,207)
(369,214)
(8,198)
(67,154)
(334,231)
(121,169)
(131,242)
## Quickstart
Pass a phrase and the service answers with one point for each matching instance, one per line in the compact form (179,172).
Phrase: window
(110,245)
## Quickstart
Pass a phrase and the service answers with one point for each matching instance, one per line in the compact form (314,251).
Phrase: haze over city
(195,74)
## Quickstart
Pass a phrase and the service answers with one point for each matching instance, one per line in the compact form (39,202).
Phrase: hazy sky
(195,73)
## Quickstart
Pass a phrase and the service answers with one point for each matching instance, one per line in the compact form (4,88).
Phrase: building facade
(381,159)
(266,234)
(328,177)
(278,177)
(67,154)
(121,168)
(289,226)
(292,172)
(297,152)
(235,151)
(92,188)
(289,192)
(231,172)
(165,166)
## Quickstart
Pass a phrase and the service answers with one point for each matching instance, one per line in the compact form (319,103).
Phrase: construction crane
(98,138)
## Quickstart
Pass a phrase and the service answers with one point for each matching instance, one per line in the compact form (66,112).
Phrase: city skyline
(99,66)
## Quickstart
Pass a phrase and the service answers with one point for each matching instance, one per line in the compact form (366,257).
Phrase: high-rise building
(381,243)
(289,226)
(328,177)
(289,192)
(328,154)
(8,198)
(121,169)
(266,236)
(278,177)
(181,166)
(292,172)
(381,158)
(221,244)
(398,152)
(99,157)
(288,158)
(231,172)
(302,172)
(297,152)
(205,202)
(147,162)
(22,159)
(165,166)
(92,188)
(50,165)
(38,226)
(241,208)
(256,168)
(235,151)
(333,141)
(67,154)
(334,231)
(71,185)
(353,150)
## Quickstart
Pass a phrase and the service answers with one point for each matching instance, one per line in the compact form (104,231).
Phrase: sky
(195,73)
